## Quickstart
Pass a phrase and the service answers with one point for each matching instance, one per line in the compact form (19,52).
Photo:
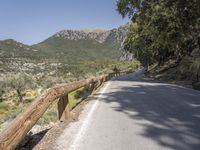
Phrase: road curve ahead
(136,113)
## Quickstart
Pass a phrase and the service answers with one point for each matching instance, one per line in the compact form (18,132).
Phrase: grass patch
(77,96)
(3,107)
(51,115)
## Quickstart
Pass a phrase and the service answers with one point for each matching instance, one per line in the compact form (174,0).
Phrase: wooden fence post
(105,79)
(109,76)
(91,87)
(63,108)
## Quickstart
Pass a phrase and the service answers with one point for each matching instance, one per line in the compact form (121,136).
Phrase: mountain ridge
(94,34)
(86,31)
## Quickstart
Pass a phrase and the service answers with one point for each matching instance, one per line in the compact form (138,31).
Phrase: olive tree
(18,82)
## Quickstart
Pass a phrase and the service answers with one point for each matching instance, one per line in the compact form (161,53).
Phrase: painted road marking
(77,140)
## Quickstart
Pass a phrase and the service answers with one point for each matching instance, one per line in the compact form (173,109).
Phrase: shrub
(3,107)
(195,68)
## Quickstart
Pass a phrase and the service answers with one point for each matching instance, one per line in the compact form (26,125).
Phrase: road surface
(133,112)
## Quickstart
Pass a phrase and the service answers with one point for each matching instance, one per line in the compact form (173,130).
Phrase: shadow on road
(173,112)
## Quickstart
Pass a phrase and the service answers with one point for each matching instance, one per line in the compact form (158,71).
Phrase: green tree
(18,82)
(161,30)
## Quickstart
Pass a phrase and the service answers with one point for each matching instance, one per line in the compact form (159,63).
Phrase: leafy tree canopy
(161,30)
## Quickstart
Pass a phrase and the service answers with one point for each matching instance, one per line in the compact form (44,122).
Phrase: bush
(184,68)
(195,68)
(3,107)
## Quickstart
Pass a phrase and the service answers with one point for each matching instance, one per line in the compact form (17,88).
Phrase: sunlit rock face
(99,35)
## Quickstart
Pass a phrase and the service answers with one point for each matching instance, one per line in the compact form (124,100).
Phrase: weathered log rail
(22,124)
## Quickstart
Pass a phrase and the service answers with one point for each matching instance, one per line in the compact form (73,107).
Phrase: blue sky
(31,21)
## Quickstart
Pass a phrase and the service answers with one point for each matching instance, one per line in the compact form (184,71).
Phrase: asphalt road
(136,113)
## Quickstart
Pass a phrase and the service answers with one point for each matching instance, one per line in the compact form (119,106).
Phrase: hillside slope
(67,51)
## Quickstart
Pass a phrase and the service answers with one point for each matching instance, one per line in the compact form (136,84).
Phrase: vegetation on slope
(70,51)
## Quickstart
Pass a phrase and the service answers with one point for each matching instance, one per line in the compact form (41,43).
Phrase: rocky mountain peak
(97,30)
(99,35)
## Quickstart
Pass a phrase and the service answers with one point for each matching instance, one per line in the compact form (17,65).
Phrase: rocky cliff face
(126,56)
(98,35)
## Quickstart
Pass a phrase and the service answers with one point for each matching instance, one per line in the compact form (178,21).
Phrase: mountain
(89,44)
(66,49)
(12,49)
(98,35)
(97,30)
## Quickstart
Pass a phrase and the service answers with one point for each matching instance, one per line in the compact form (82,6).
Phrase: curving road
(132,112)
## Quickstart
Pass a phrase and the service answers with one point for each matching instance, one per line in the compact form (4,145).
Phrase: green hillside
(69,51)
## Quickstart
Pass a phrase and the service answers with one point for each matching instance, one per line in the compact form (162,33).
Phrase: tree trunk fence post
(91,87)
(96,84)
(109,76)
(63,108)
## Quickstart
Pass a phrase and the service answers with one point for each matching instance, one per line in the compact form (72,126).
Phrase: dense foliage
(162,30)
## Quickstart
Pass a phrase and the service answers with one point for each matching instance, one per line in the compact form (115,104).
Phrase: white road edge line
(84,127)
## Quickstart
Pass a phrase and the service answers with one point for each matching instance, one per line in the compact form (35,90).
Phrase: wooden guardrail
(22,124)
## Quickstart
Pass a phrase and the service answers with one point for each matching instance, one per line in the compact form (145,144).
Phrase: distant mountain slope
(65,48)
(13,49)
(81,45)
(73,51)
